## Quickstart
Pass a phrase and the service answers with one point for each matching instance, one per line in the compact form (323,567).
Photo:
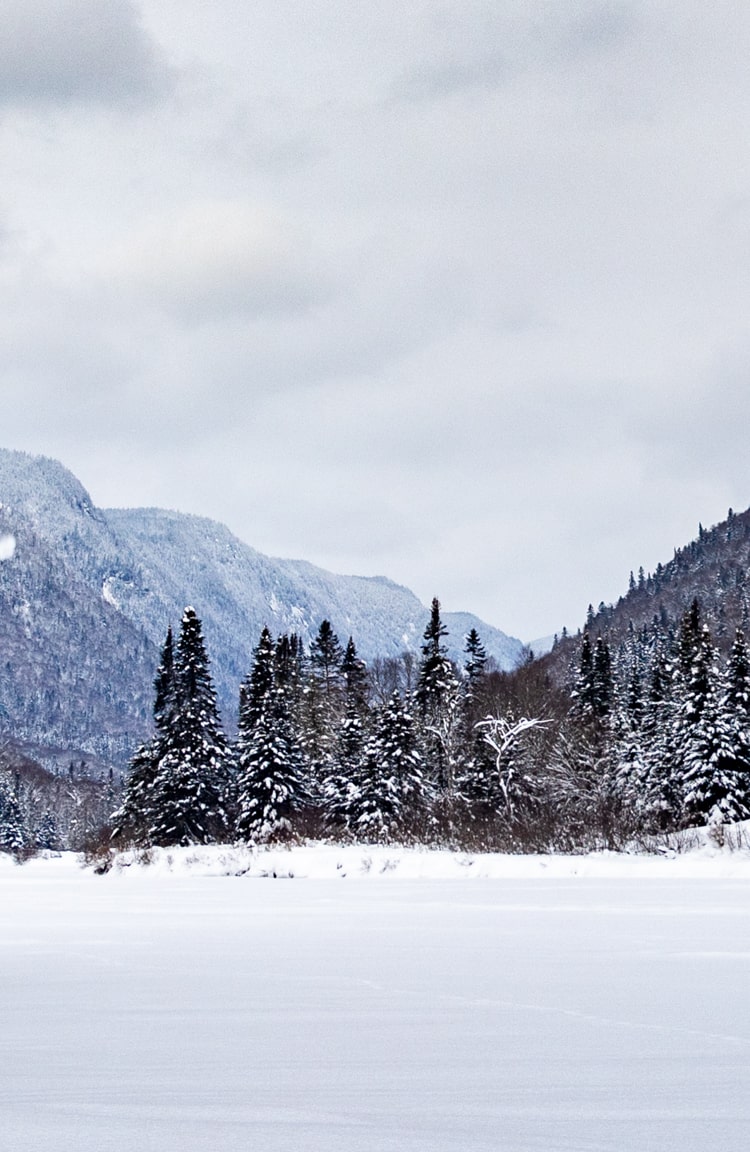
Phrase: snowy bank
(695,855)
(377,862)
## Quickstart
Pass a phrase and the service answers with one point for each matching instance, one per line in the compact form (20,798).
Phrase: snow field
(171,1009)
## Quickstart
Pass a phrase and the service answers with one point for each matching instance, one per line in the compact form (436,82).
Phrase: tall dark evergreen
(435,670)
(258,687)
(584,691)
(354,674)
(134,820)
(389,791)
(320,704)
(439,706)
(164,687)
(192,776)
(475,663)
(691,628)
(602,682)
(352,733)
(715,748)
(270,791)
(326,656)
(14,835)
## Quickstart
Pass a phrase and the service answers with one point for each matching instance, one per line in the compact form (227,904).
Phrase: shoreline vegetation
(647,741)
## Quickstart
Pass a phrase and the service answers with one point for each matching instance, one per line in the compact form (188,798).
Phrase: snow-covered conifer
(716,752)
(269,778)
(14,835)
(192,775)
(134,819)
(439,705)
(351,737)
(475,663)
(389,793)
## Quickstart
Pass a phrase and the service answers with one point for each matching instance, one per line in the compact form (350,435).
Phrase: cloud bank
(454,293)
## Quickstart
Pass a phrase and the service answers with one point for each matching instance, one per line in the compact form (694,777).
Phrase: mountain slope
(86,598)
(714,568)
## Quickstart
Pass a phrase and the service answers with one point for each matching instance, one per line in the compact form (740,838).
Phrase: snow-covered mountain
(86,596)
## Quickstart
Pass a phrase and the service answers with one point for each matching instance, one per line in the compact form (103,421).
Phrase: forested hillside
(714,569)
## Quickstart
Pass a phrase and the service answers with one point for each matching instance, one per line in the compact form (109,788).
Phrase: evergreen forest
(621,737)
(648,738)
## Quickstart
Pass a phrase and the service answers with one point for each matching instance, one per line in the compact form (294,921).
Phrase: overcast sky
(455,292)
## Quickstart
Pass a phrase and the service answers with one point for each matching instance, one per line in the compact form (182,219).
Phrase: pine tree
(584,692)
(475,664)
(135,817)
(47,836)
(602,683)
(389,792)
(258,687)
(693,730)
(192,776)
(659,797)
(269,779)
(351,738)
(691,628)
(290,669)
(736,709)
(354,673)
(717,755)
(164,687)
(325,657)
(437,696)
(321,702)
(14,835)
(476,761)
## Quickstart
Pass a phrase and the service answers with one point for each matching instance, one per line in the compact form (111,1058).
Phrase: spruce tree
(584,691)
(354,673)
(659,797)
(736,709)
(717,754)
(14,836)
(351,737)
(192,776)
(475,663)
(135,817)
(602,683)
(321,701)
(269,780)
(690,636)
(693,729)
(437,697)
(46,835)
(389,793)
(326,657)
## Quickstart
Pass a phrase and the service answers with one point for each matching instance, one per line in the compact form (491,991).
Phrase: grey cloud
(493,346)
(216,258)
(77,52)
(488,46)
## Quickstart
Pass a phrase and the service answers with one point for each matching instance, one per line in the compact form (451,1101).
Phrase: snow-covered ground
(496,1004)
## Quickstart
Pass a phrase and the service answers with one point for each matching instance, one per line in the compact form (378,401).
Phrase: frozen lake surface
(198,1013)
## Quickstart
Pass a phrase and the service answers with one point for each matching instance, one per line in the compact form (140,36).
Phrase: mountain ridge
(713,568)
(86,598)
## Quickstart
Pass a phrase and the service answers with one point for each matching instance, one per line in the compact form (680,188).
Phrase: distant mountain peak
(86,600)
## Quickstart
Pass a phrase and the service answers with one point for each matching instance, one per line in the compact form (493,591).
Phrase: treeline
(325,747)
(43,810)
(666,719)
(648,735)
(651,737)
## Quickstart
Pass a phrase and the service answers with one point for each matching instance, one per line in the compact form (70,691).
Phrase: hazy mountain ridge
(87,596)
